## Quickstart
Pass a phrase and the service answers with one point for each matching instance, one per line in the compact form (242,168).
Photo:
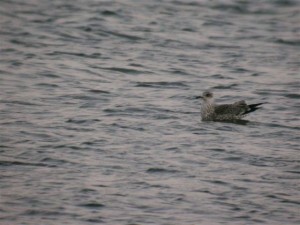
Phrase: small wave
(135,65)
(161,84)
(294,96)
(126,110)
(229,86)
(233,158)
(122,35)
(124,70)
(97,91)
(219,76)
(109,13)
(20,103)
(49,74)
(160,170)
(287,42)
(19,163)
(243,9)
(81,121)
(51,85)
(218,23)
(78,54)
(92,205)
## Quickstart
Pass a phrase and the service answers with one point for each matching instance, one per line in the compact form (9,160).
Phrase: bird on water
(236,111)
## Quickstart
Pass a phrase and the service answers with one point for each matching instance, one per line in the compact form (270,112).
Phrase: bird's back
(233,111)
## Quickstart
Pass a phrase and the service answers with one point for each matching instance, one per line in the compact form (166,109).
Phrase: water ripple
(99,123)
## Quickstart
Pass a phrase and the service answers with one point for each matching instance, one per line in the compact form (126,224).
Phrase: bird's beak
(197,97)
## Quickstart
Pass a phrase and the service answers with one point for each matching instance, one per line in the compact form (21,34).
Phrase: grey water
(99,124)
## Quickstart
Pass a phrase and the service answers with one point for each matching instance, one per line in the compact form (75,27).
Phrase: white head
(207,96)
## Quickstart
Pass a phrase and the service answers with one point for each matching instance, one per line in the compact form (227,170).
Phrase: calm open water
(99,124)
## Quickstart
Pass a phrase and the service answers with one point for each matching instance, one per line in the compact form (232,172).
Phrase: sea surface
(99,123)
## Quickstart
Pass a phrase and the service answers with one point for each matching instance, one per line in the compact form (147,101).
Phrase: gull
(236,111)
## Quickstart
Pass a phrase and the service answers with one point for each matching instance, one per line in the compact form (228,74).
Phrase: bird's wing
(237,108)
(252,108)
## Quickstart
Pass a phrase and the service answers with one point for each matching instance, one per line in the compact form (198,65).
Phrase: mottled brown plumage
(235,111)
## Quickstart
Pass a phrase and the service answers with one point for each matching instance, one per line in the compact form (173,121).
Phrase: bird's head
(206,96)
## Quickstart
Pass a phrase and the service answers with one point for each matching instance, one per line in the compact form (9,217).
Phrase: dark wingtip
(253,107)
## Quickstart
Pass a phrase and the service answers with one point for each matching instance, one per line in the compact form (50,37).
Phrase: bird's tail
(253,107)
